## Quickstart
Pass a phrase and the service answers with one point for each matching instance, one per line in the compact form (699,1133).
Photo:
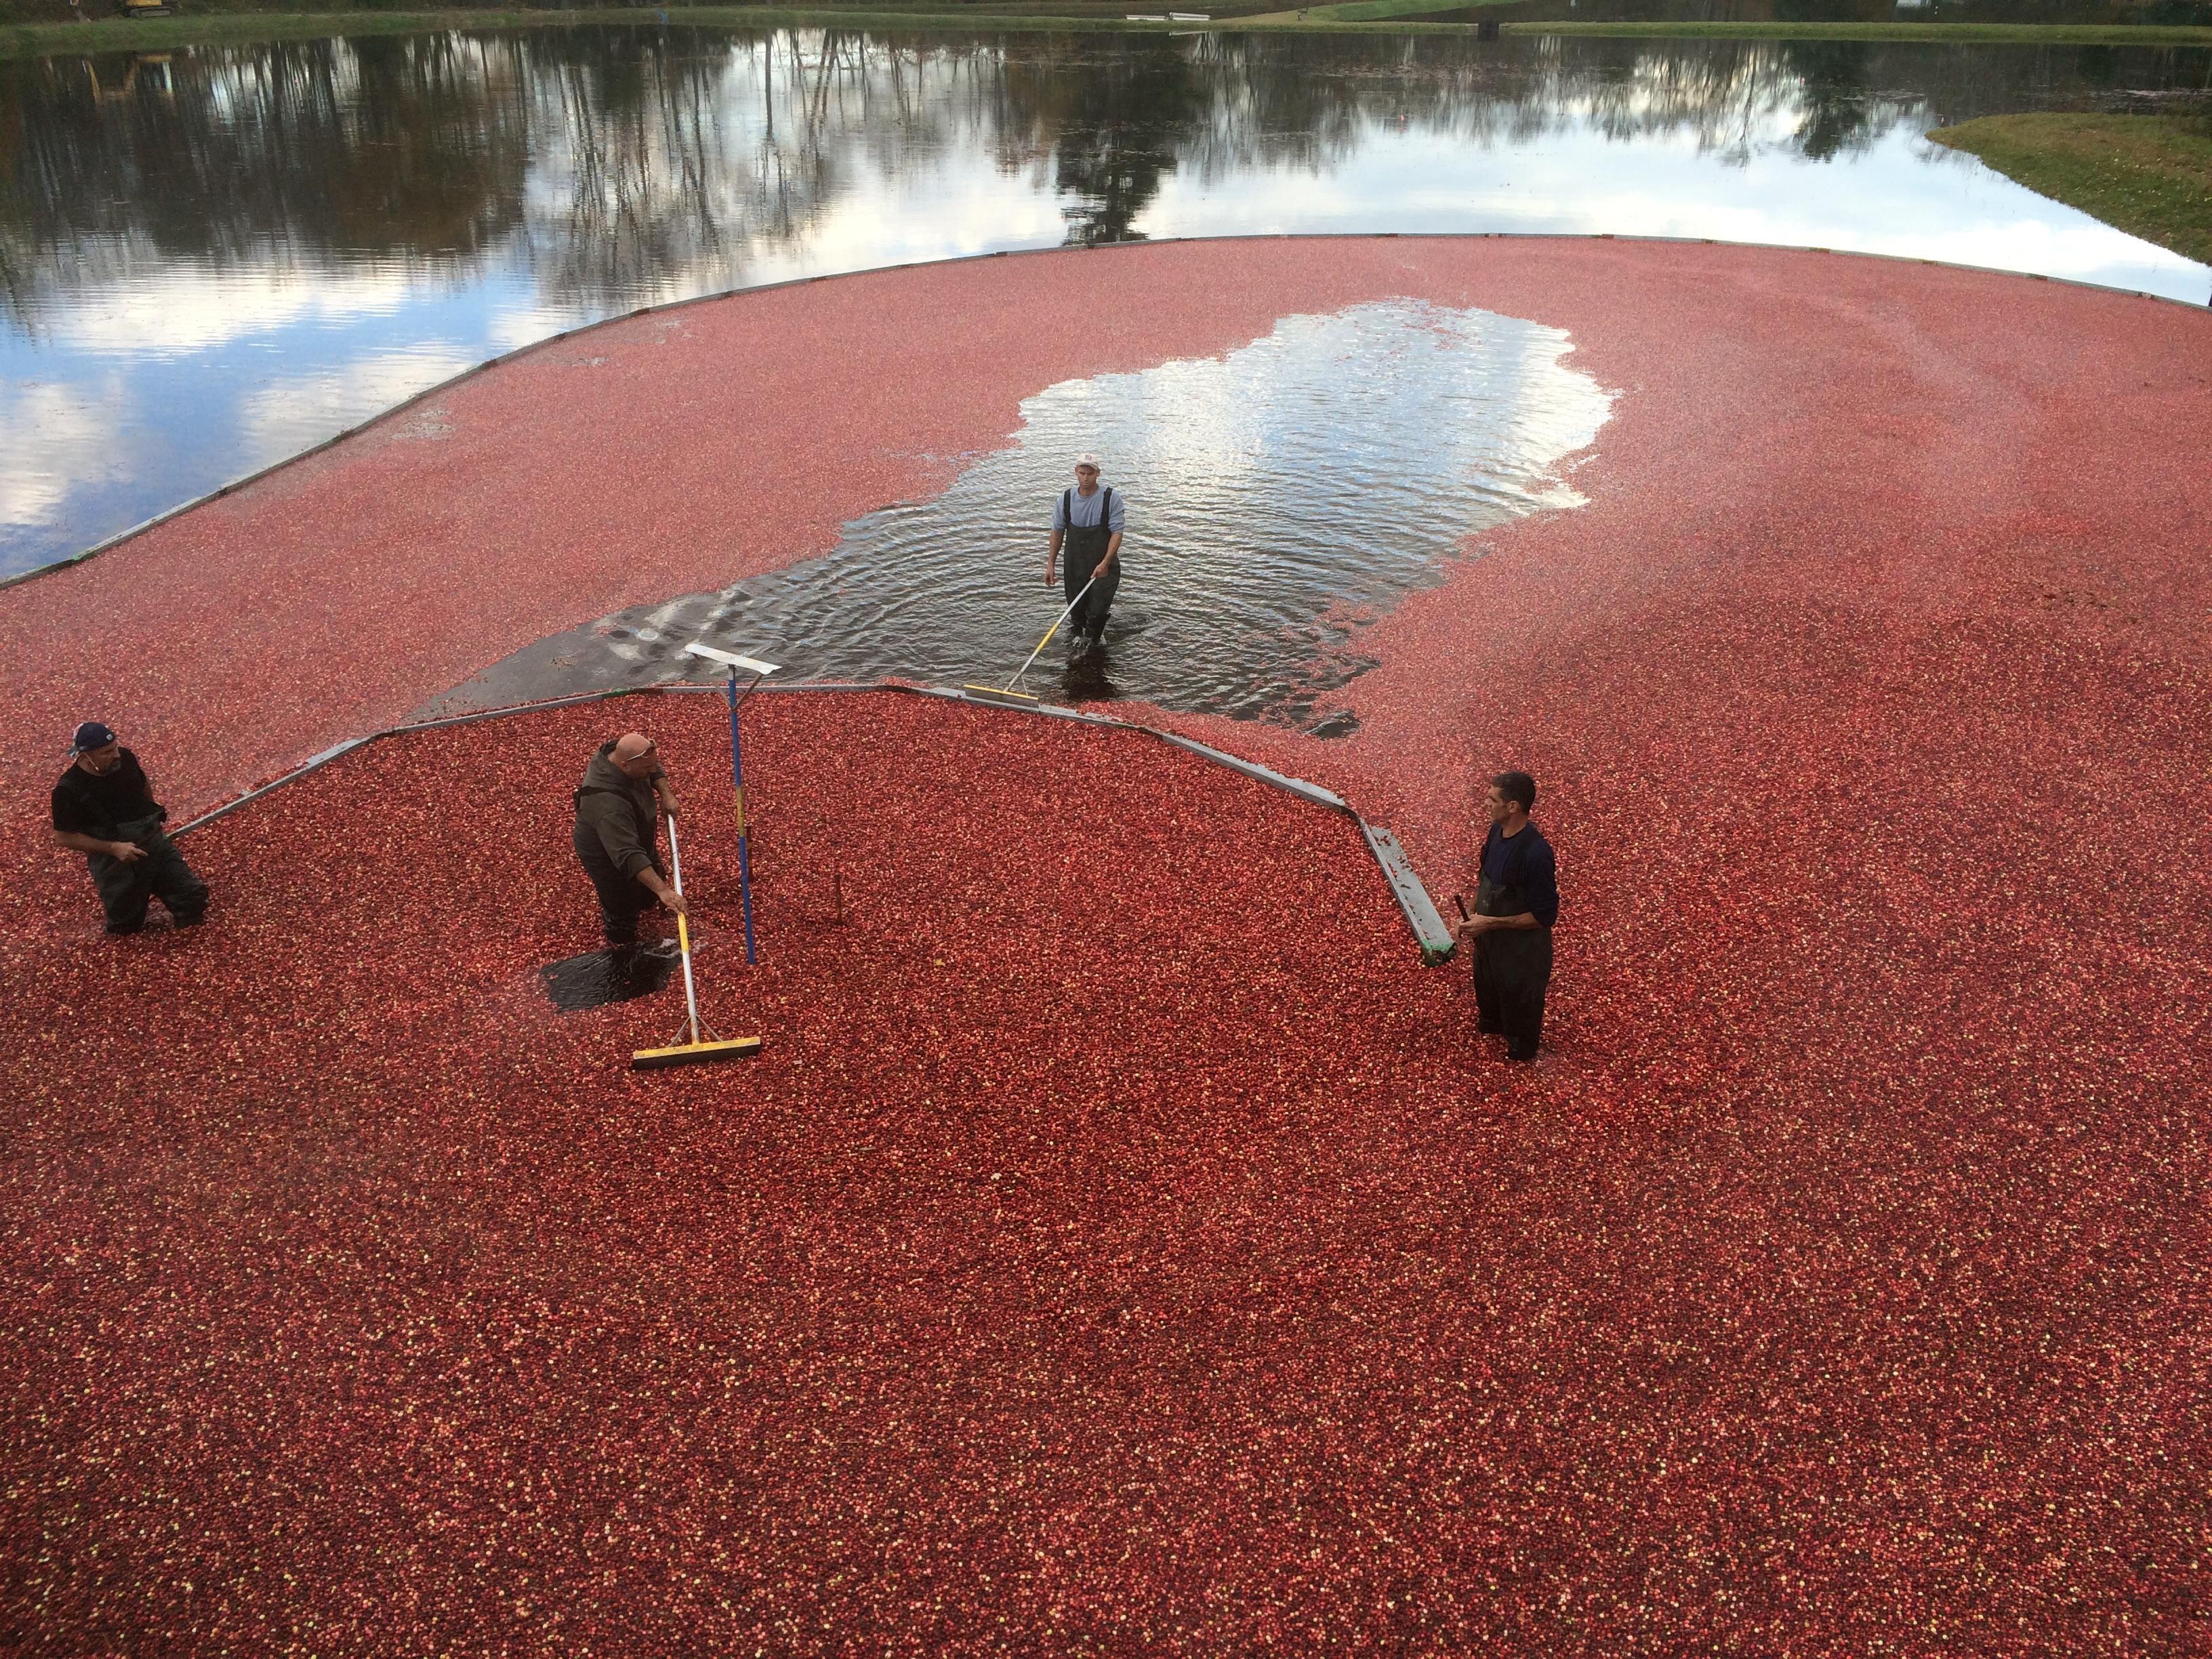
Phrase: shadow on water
(599,977)
(1278,498)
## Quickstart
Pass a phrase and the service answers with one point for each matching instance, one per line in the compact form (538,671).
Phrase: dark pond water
(1276,498)
(209,260)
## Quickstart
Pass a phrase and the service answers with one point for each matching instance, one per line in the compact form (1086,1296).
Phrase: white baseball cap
(1087,459)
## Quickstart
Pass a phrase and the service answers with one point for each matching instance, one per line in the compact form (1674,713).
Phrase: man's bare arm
(126,850)
(1052,558)
(650,880)
(1476,926)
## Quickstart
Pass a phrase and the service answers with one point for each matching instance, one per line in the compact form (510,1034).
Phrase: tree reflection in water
(620,165)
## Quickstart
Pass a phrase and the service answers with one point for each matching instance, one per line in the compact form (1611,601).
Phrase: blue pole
(737,778)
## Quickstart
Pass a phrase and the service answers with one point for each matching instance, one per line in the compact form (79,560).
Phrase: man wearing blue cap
(103,809)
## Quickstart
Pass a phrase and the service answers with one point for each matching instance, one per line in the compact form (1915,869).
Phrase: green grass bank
(1954,35)
(2150,175)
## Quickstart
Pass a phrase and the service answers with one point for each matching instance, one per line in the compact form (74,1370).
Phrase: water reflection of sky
(1900,196)
(145,360)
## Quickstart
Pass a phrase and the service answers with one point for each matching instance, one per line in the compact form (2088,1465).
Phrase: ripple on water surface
(1279,498)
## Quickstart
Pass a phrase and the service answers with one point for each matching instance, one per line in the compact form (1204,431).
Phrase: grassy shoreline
(1996,34)
(243,26)
(2149,176)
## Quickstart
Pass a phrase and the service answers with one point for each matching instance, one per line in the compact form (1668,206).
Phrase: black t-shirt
(87,805)
(1525,861)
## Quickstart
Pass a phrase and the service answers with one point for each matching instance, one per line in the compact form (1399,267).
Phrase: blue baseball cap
(92,734)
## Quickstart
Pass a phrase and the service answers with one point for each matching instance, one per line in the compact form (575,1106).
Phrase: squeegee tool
(701,1047)
(996,693)
(731,659)
(692,1054)
(1007,692)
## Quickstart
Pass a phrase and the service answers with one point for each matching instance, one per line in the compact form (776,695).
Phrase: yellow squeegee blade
(693,1053)
(996,695)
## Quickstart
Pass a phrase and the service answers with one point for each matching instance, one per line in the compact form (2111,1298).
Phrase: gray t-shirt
(1072,507)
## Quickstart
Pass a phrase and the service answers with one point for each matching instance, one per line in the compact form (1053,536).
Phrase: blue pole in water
(737,778)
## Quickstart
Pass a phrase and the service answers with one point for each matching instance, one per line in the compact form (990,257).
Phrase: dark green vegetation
(2151,175)
(2046,34)
(35,28)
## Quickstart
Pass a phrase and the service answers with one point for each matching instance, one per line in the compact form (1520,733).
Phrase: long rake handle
(682,930)
(737,782)
(1046,640)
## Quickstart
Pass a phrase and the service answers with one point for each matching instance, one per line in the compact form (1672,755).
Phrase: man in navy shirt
(1088,519)
(105,809)
(1509,934)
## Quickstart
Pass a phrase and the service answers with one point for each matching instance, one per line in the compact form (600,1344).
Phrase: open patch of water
(1278,497)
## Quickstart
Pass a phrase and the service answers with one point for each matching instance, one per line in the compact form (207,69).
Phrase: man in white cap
(1088,521)
(105,809)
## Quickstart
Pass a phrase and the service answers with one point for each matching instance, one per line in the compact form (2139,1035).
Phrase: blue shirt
(1525,861)
(1073,508)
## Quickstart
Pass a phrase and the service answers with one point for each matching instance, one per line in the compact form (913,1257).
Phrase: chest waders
(622,899)
(1083,547)
(1512,967)
(126,886)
